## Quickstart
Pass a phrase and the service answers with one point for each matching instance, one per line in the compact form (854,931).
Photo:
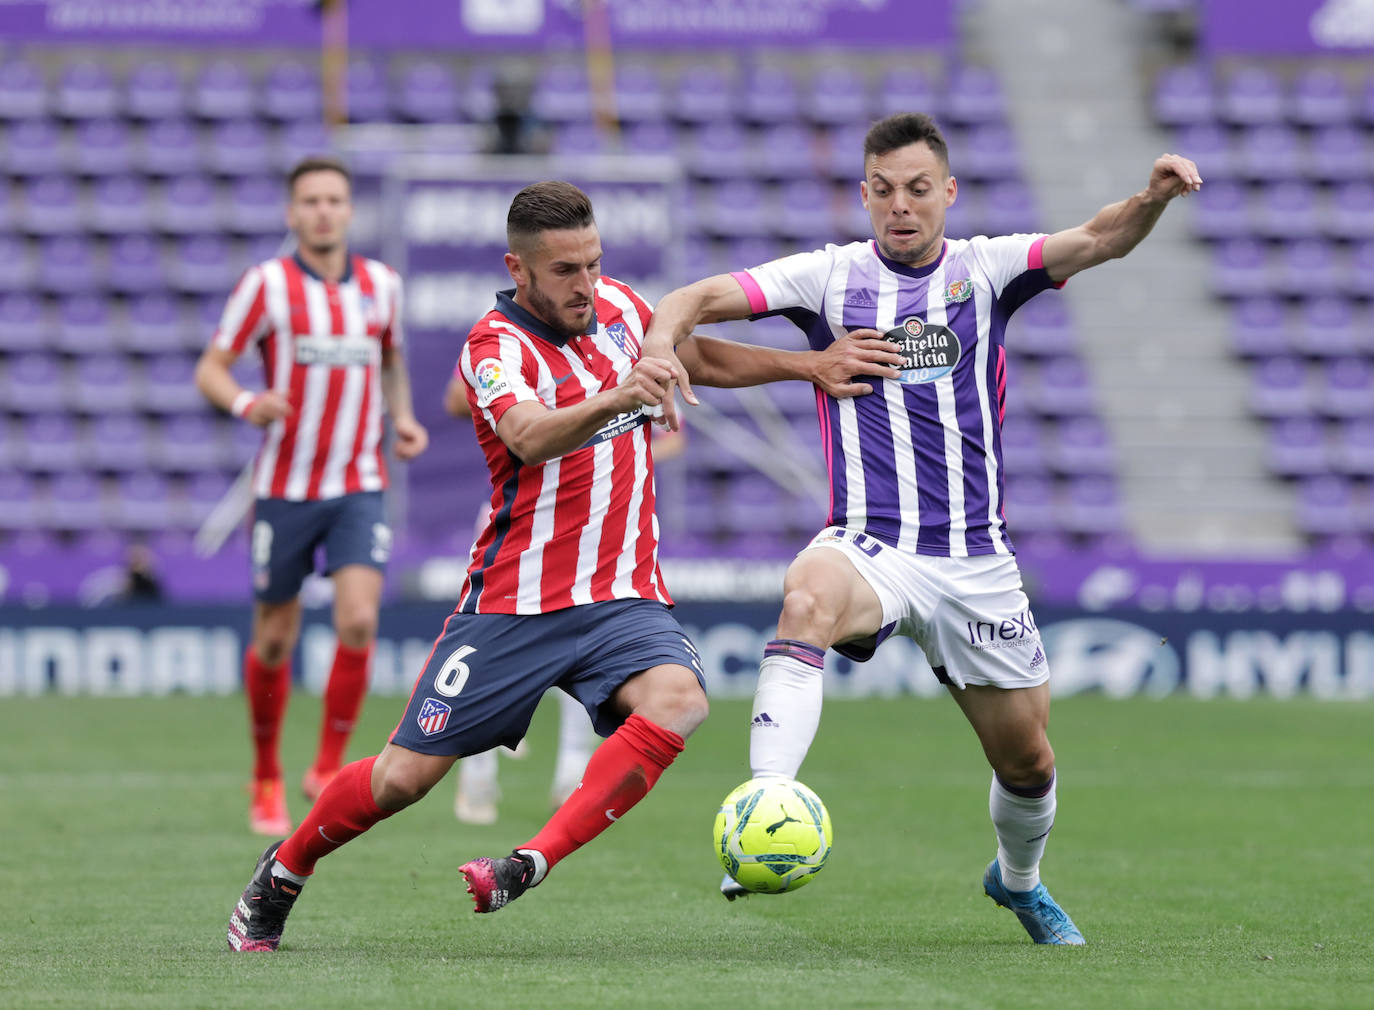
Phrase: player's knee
(1027,767)
(272,650)
(808,616)
(400,785)
(678,704)
(357,629)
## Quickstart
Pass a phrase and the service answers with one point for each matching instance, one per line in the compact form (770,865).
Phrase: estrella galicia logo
(929,350)
(620,336)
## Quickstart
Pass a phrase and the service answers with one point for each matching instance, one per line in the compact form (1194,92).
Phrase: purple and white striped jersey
(918,462)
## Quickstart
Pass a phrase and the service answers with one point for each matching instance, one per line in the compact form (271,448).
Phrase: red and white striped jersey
(581,528)
(321,346)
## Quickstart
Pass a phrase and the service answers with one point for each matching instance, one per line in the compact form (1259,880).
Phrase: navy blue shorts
(286,534)
(487,672)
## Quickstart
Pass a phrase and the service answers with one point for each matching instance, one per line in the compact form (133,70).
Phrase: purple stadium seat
(1093,507)
(244,443)
(1321,97)
(33,383)
(367,92)
(1339,154)
(84,325)
(1210,145)
(770,96)
(1009,208)
(223,90)
(1328,328)
(1281,387)
(974,95)
(837,95)
(291,90)
(1260,328)
(170,147)
(143,501)
(1041,328)
(1269,153)
(751,499)
(738,207)
(19,506)
(102,147)
(238,147)
(1354,452)
(1031,504)
(137,265)
(1361,275)
(120,204)
(1252,96)
(299,140)
(579,137)
(1023,447)
(907,89)
(1241,269)
(1290,210)
(808,208)
(427,93)
(1352,211)
(169,385)
(966,218)
(52,206)
(256,206)
(1298,448)
(156,323)
(203,492)
(23,92)
(67,265)
(1365,102)
(203,265)
(651,138)
(639,95)
(1185,96)
(1310,268)
(75,502)
(8,207)
(989,152)
(48,443)
(104,384)
(719,150)
(155,90)
(1327,506)
(18,271)
(1065,388)
(34,147)
(786,151)
(1082,445)
(192,443)
(118,443)
(1347,388)
(188,204)
(24,326)
(705,94)
(86,90)
(562,93)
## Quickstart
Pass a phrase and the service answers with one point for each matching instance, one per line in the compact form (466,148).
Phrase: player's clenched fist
(266,407)
(648,384)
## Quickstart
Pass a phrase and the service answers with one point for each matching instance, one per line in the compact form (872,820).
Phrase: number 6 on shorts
(454,673)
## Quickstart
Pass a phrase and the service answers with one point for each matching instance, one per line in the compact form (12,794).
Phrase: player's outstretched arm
(411,436)
(713,362)
(217,384)
(536,434)
(1119,227)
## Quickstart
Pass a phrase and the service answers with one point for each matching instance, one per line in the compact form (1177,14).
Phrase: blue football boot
(1044,920)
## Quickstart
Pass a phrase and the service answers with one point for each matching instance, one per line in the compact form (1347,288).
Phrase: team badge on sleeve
(433,716)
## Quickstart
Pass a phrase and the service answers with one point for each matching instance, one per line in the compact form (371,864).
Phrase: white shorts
(969,615)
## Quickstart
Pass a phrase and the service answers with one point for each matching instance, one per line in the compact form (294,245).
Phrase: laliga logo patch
(620,334)
(929,350)
(489,374)
(959,291)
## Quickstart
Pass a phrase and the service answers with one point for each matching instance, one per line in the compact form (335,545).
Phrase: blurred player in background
(917,543)
(563,587)
(328,326)
(479,789)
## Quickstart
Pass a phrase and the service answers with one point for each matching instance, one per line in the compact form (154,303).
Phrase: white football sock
(278,870)
(477,777)
(787,707)
(576,741)
(541,865)
(1023,826)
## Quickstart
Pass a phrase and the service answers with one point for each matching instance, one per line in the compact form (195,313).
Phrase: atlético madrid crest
(433,716)
(620,333)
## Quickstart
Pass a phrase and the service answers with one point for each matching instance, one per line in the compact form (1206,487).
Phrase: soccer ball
(772,835)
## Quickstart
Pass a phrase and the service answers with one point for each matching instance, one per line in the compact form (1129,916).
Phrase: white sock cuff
(541,865)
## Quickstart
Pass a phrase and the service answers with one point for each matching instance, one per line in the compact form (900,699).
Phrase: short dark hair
(903,129)
(318,163)
(546,206)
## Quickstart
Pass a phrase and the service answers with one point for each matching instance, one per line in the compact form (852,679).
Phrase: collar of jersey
(902,268)
(526,320)
(347,274)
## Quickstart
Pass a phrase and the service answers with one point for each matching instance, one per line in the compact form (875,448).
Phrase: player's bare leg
(267,686)
(663,705)
(1012,725)
(357,597)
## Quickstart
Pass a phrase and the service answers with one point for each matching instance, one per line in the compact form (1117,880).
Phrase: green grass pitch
(1216,854)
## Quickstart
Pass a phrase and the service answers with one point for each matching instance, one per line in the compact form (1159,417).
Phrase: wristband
(242,403)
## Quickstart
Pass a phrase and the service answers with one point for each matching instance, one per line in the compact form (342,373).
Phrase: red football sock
(622,770)
(343,698)
(267,689)
(343,812)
